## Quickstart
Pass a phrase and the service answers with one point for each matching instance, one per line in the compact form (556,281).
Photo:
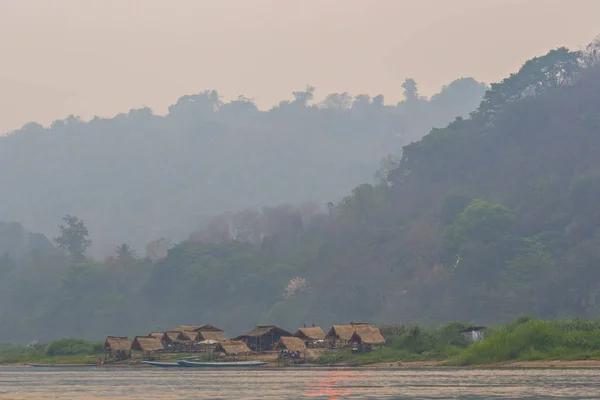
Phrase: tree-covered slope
(492,217)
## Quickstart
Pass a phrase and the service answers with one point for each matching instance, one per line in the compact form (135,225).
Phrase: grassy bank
(529,339)
(413,343)
(525,339)
(61,351)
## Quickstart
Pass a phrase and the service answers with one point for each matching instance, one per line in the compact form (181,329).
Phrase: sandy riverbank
(548,364)
(423,364)
(511,364)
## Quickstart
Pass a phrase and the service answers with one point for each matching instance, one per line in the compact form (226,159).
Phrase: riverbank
(548,364)
(565,364)
(523,343)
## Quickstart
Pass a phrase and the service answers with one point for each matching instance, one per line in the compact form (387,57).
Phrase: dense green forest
(494,216)
(138,177)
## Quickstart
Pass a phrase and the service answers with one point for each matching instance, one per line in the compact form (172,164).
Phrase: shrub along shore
(523,342)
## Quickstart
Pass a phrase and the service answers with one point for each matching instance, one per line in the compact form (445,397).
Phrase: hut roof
(367,334)
(173,336)
(116,343)
(198,328)
(263,330)
(156,334)
(189,335)
(146,343)
(207,327)
(212,335)
(312,333)
(342,332)
(291,343)
(233,347)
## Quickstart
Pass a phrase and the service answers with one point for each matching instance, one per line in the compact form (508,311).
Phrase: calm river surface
(175,383)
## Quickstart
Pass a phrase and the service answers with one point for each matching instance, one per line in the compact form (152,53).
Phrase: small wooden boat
(65,365)
(232,364)
(161,364)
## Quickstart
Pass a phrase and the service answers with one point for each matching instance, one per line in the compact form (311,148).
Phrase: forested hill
(494,216)
(16,242)
(138,177)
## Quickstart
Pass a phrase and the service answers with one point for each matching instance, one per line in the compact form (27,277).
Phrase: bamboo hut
(188,342)
(146,344)
(232,348)
(263,337)
(340,335)
(292,344)
(366,336)
(192,334)
(171,339)
(292,350)
(117,347)
(206,341)
(156,334)
(312,336)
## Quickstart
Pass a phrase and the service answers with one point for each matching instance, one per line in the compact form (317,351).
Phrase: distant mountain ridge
(138,177)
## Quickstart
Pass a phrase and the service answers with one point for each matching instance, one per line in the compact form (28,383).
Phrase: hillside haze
(489,217)
(138,177)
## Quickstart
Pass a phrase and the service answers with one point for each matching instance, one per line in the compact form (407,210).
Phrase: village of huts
(263,340)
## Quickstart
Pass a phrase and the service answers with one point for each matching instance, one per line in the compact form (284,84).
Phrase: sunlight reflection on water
(156,383)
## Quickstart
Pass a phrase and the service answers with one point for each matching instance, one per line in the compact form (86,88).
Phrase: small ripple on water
(142,383)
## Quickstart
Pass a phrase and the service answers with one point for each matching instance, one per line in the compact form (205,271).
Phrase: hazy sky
(102,57)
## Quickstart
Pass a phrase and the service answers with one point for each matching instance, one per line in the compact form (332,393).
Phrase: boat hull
(161,364)
(235,364)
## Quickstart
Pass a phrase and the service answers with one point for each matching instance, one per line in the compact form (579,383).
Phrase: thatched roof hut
(264,330)
(366,334)
(157,334)
(292,344)
(341,332)
(172,336)
(218,336)
(117,343)
(232,348)
(263,337)
(146,344)
(312,333)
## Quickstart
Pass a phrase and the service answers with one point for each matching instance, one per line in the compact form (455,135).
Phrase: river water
(176,383)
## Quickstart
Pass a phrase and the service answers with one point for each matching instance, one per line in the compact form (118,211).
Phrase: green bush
(68,347)
(534,339)
(15,354)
